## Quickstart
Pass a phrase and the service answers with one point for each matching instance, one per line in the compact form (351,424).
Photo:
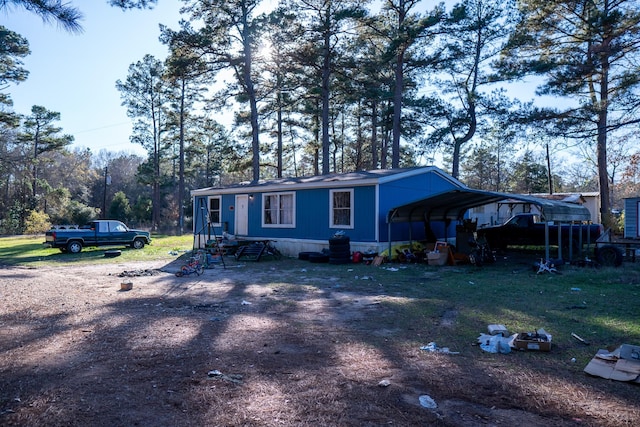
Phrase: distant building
(499,212)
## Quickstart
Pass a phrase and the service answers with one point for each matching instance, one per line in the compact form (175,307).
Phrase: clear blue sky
(75,74)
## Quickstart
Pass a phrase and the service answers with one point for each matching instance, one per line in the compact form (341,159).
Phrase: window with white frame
(214,210)
(278,210)
(341,208)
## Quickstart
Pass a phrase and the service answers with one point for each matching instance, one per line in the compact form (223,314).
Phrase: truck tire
(137,244)
(74,247)
(609,256)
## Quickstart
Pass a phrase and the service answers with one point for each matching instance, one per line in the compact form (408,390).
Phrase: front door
(242,215)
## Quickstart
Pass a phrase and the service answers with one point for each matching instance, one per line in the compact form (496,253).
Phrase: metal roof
(453,204)
(333,180)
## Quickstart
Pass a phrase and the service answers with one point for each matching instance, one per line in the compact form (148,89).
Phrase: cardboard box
(537,341)
(437,258)
(621,364)
(498,330)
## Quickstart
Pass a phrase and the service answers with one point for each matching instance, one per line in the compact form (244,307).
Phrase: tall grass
(30,251)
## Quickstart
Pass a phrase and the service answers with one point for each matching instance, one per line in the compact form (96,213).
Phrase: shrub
(36,222)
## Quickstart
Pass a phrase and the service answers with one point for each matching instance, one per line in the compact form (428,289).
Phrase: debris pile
(138,273)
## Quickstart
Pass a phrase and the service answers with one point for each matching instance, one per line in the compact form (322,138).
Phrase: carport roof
(453,204)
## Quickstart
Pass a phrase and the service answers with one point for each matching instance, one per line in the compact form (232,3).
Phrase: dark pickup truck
(96,233)
(527,230)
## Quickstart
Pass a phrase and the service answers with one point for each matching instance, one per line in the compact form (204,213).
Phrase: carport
(452,205)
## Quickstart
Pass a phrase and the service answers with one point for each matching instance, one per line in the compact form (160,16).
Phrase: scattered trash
(471,283)
(126,286)
(245,302)
(138,273)
(573,360)
(432,347)
(234,378)
(377,261)
(576,289)
(384,383)
(579,339)
(391,269)
(427,402)
(495,343)
(174,253)
(546,267)
(622,364)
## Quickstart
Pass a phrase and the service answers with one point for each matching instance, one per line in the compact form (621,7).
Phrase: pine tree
(588,53)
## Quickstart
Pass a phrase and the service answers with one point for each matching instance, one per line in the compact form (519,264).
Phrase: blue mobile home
(301,214)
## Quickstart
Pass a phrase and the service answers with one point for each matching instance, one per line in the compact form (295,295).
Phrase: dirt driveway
(255,344)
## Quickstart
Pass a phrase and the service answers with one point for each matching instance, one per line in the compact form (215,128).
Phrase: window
(214,210)
(278,210)
(341,209)
(117,227)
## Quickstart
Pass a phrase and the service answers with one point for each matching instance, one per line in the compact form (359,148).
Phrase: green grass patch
(30,251)
(600,305)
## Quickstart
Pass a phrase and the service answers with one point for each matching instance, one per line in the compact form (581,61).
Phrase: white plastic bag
(495,343)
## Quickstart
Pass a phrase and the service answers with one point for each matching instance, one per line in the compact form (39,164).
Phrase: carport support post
(571,254)
(389,237)
(559,239)
(546,240)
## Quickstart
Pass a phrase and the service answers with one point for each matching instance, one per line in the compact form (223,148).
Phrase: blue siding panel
(200,221)
(312,214)
(397,193)
(364,215)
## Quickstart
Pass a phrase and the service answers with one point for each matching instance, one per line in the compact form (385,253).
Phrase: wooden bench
(252,252)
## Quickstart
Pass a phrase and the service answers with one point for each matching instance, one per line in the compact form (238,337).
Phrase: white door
(242,215)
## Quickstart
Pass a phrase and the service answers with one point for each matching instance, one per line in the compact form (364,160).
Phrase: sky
(75,74)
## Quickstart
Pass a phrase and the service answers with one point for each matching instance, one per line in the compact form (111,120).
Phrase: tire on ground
(609,255)
(318,257)
(305,255)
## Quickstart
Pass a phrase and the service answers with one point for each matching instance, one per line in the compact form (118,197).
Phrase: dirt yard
(256,344)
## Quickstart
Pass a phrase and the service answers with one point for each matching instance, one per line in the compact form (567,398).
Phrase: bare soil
(257,344)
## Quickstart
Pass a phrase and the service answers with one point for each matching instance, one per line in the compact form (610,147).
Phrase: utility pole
(107,181)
